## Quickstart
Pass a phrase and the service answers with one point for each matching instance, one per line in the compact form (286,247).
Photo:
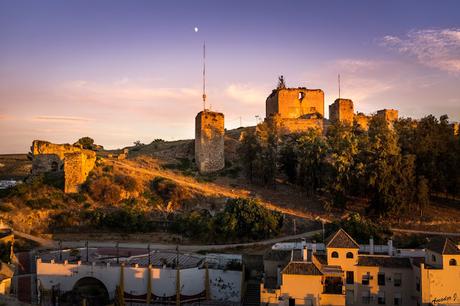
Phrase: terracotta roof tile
(302,268)
(384,261)
(341,240)
(443,246)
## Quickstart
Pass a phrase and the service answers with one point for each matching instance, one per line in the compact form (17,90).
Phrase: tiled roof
(322,258)
(384,261)
(443,246)
(341,240)
(302,268)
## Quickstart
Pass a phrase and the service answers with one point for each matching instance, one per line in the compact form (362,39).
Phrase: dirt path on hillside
(265,196)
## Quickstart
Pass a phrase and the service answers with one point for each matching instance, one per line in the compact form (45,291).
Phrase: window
(365,280)
(397,279)
(291,302)
(366,297)
(381,279)
(350,277)
(349,255)
(452,262)
(397,301)
(335,254)
(433,258)
(381,298)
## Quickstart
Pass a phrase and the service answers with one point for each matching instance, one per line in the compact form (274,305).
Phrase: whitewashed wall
(224,285)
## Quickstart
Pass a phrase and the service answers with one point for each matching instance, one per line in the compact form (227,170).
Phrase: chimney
(305,253)
(278,276)
(371,245)
(390,247)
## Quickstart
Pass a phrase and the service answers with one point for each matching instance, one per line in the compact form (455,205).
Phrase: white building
(73,275)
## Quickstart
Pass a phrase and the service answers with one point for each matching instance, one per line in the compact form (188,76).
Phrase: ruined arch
(89,288)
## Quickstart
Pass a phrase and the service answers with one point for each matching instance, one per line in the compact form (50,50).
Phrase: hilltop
(157,187)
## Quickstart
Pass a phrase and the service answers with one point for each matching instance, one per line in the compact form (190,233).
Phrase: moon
(196,29)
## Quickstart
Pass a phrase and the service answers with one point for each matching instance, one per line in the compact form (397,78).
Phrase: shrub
(127,182)
(78,197)
(163,187)
(362,229)
(102,189)
(41,203)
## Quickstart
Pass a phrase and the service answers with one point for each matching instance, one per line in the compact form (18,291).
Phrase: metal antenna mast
(204,75)
(339,84)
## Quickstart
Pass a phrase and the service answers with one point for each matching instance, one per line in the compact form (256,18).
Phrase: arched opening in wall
(54,166)
(452,262)
(349,255)
(335,254)
(87,288)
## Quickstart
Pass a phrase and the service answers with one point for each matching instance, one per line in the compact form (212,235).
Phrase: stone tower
(342,110)
(390,115)
(293,103)
(209,141)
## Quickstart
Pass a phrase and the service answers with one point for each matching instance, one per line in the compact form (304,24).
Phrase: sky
(122,71)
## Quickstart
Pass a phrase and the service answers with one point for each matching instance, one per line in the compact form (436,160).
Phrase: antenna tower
(204,76)
(338,79)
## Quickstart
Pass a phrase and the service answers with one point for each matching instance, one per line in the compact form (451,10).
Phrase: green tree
(86,143)
(423,194)
(311,149)
(343,148)
(248,152)
(387,174)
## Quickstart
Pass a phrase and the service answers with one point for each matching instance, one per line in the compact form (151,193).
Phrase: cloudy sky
(121,71)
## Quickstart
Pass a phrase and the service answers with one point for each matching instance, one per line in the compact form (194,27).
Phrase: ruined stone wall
(361,121)
(209,141)
(47,156)
(289,126)
(75,162)
(77,167)
(295,102)
(342,110)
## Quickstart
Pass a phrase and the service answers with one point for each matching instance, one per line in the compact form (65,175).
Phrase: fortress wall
(76,169)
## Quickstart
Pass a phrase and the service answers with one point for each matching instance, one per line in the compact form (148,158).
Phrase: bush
(362,229)
(78,197)
(41,203)
(127,182)
(163,187)
(103,190)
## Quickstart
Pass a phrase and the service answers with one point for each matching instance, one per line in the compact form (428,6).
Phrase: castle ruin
(342,111)
(209,141)
(73,161)
(298,108)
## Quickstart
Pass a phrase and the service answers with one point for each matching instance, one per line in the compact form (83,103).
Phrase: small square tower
(342,111)
(209,141)
(390,115)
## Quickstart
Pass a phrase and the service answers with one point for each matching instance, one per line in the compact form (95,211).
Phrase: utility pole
(87,251)
(60,250)
(118,255)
